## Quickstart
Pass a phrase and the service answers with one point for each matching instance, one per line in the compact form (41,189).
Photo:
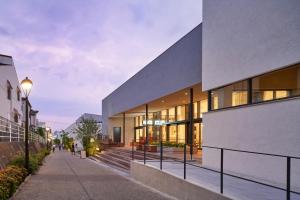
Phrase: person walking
(73,149)
(53,148)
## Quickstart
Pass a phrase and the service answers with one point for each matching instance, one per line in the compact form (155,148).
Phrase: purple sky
(77,52)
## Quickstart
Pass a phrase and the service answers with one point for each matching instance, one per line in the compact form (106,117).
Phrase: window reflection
(232,95)
(276,85)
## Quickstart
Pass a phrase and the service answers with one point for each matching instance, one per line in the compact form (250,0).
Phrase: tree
(56,141)
(41,131)
(87,132)
(66,141)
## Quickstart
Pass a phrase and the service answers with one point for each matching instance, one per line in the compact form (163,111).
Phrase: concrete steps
(120,158)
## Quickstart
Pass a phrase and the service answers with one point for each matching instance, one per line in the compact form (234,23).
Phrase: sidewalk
(64,176)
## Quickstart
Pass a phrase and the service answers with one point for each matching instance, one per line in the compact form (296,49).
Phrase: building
(32,115)
(86,116)
(233,82)
(10,91)
(169,81)
(251,69)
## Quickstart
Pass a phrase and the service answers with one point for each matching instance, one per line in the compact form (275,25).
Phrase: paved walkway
(64,176)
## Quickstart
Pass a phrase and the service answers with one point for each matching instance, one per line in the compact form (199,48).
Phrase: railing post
(184,162)
(161,154)
(221,169)
(144,153)
(288,178)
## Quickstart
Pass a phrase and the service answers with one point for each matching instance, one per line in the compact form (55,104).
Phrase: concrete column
(147,124)
(124,128)
(191,124)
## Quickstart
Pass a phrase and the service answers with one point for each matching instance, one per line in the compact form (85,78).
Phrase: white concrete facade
(9,108)
(242,39)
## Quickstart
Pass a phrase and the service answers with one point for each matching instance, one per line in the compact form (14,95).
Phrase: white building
(86,116)
(251,70)
(10,91)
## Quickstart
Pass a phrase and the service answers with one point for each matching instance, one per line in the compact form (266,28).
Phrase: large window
(232,95)
(276,85)
(172,115)
(279,84)
(181,133)
(180,113)
(203,107)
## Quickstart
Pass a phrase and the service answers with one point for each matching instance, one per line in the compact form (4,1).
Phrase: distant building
(86,116)
(32,115)
(10,90)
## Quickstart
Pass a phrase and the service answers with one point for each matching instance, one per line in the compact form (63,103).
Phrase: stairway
(120,158)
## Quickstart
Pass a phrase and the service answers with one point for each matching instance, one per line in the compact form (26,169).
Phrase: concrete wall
(8,73)
(243,38)
(171,185)
(118,122)
(177,68)
(9,150)
(269,128)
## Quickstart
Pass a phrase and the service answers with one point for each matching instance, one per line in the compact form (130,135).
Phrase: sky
(77,52)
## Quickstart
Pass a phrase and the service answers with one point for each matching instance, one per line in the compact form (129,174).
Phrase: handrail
(288,168)
(251,152)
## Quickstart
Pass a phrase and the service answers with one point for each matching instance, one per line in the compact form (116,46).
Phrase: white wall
(269,128)
(8,72)
(244,38)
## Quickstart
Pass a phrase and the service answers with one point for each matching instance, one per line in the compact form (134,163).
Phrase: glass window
(275,85)
(172,133)
(171,114)
(164,133)
(180,113)
(181,133)
(163,115)
(232,95)
(136,121)
(141,118)
(203,107)
(196,110)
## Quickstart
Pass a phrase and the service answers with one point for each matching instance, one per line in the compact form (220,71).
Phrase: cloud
(77,53)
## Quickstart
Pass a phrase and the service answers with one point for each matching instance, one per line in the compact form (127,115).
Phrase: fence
(13,132)
(221,172)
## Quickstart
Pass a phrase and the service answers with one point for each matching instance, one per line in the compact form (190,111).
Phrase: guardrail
(13,132)
(287,189)
(288,169)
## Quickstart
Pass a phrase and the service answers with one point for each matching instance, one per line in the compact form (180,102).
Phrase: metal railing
(287,189)
(288,170)
(13,132)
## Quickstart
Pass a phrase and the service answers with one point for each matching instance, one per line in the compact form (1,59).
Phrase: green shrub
(10,178)
(34,160)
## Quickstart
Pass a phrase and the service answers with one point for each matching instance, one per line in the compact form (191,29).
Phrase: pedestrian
(73,149)
(53,148)
(59,146)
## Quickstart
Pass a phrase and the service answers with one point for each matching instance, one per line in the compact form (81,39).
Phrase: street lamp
(26,85)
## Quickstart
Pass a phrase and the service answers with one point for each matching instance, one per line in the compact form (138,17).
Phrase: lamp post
(26,85)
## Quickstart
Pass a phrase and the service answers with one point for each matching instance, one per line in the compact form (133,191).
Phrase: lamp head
(26,85)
